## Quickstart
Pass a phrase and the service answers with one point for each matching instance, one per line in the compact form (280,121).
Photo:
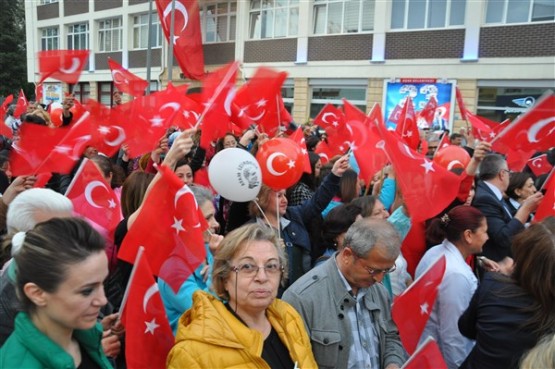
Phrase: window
(140,31)
(42,2)
(520,11)
(343,16)
(105,91)
(288,96)
(49,39)
(219,21)
(423,14)
(78,36)
(109,34)
(274,18)
(333,95)
(82,91)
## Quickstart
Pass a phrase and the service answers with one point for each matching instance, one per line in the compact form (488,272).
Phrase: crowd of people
(300,277)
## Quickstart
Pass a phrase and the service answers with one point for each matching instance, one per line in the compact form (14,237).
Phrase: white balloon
(235,174)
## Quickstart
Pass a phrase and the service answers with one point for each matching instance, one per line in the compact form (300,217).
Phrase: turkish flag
(412,308)
(7,101)
(146,119)
(35,143)
(539,165)
(68,151)
(428,356)
(364,140)
(298,137)
(21,106)
(4,129)
(218,93)
(171,209)
(126,81)
(396,114)
(106,130)
(427,188)
(414,245)
(63,65)
(259,100)
(531,131)
(332,120)
(460,102)
(93,198)
(42,180)
(547,206)
(187,38)
(324,151)
(149,336)
(191,109)
(426,115)
(443,142)
(480,129)
(406,126)
(38,93)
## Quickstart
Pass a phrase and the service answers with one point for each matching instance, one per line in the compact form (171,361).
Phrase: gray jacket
(320,297)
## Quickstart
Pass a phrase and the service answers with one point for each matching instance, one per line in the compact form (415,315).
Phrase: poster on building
(52,92)
(420,90)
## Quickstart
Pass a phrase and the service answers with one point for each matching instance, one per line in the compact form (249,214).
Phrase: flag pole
(170,53)
(140,252)
(149,47)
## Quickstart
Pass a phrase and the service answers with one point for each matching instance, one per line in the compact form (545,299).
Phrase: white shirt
(454,294)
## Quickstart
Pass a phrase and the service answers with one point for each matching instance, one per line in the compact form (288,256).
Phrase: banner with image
(420,90)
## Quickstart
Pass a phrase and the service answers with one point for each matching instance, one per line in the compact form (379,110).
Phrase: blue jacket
(29,348)
(177,303)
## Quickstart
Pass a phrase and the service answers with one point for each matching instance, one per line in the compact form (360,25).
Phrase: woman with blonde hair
(245,326)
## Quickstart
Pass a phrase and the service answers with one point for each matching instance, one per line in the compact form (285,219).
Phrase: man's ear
(35,294)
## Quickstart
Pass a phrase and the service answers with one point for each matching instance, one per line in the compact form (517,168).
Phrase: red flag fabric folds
(149,337)
(21,106)
(406,126)
(171,209)
(547,206)
(539,165)
(426,115)
(187,38)
(63,65)
(298,137)
(126,81)
(426,187)
(428,356)
(411,309)
(93,198)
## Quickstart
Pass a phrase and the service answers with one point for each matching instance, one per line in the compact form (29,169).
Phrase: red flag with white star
(171,209)
(126,81)
(428,355)
(21,106)
(460,102)
(63,65)
(426,116)
(93,198)
(539,165)
(187,37)
(298,137)
(149,337)
(427,188)
(530,132)
(406,126)
(332,120)
(547,206)
(411,309)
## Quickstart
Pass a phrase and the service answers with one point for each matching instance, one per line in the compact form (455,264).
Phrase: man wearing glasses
(345,308)
(493,182)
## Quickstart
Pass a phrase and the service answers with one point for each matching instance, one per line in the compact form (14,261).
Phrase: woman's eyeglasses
(250,270)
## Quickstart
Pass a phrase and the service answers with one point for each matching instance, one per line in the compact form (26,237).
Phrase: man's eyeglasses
(250,270)
(507,170)
(375,271)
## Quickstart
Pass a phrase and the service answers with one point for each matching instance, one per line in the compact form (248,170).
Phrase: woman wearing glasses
(464,230)
(246,327)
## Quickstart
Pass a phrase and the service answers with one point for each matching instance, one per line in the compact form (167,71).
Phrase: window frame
(360,26)
(289,7)
(505,12)
(45,2)
(361,104)
(71,34)
(52,38)
(111,30)
(137,27)
(231,21)
(447,17)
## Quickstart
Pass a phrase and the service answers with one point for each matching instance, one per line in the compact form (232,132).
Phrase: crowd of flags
(175,250)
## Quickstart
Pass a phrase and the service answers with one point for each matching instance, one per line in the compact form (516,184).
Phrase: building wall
(342,47)
(522,40)
(278,50)
(441,44)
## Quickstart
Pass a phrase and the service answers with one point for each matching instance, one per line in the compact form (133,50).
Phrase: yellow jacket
(210,336)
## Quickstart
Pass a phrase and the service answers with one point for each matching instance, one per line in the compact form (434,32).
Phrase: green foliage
(13,58)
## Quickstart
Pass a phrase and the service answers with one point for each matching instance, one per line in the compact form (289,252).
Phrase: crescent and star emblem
(270,164)
(75,63)
(88,192)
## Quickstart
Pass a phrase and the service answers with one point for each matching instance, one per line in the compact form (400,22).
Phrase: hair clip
(445,220)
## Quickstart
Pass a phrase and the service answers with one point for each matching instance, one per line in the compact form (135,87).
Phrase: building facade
(500,53)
